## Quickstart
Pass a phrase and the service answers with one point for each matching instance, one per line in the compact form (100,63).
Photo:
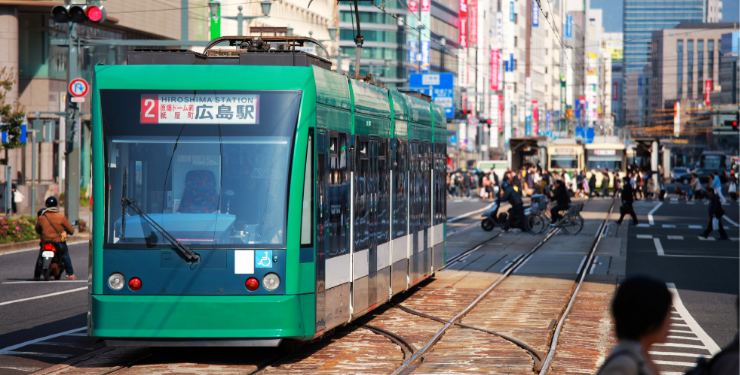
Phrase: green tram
(250,195)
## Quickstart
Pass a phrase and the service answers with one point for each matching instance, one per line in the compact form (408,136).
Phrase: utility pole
(72,149)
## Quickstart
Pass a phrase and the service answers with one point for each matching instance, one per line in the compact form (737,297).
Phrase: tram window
(306,209)
(400,182)
(362,224)
(599,165)
(208,185)
(338,193)
(563,161)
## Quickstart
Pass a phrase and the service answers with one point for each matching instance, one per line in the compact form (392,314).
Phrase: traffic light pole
(72,149)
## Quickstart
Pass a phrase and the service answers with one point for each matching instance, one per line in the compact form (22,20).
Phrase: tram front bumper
(198,320)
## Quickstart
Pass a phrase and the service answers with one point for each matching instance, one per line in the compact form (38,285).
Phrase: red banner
(463,24)
(413,6)
(500,113)
(426,5)
(473,30)
(615,91)
(535,119)
(494,68)
(708,92)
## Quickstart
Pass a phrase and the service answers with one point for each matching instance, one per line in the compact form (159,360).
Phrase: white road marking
(695,327)
(13,347)
(675,330)
(706,239)
(37,248)
(674,199)
(650,214)
(695,227)
(471,213)
(43,296)
(661,252)
(671,363)
(37,354)
(681,345)
(24,369)
(643,225)
(731,222)
(684,338)
(658,247)
(675,237)
(44,283)
(645,236)
(668,226)
(694,355)
(581,265)
(593,265)
(735,238)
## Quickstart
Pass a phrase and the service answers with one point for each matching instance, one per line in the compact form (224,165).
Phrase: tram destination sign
(199,109)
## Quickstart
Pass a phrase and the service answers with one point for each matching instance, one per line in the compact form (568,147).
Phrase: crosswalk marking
(693,355)
(695,227)
(706,239)
(668,226)
(675,237)
(671,363)
(684,338)
(643,225)
(645,236)
(674,345)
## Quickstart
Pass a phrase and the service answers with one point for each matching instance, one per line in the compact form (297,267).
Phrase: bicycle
(571,222)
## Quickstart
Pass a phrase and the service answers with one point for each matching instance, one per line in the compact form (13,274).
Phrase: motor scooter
(52,264)
(491,217)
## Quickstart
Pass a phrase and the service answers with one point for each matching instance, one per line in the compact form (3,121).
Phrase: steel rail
(581,277)
(536,356)
(407,365)
(408,348)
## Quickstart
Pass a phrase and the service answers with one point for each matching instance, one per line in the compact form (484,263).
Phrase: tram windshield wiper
(190,255)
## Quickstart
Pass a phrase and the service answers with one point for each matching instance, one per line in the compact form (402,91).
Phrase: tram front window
(210,184)
(605,163)
(563,161)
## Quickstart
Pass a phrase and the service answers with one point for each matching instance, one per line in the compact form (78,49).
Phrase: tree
(12,115)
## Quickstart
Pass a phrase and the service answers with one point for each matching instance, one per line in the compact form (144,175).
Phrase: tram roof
(440,119)
(331,89)
(370,100)
(400,105)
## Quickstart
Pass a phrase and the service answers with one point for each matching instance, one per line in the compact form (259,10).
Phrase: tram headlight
(271,281)
(116,281)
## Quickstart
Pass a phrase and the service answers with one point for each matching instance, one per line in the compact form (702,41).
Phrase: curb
(34,244)
(65,365)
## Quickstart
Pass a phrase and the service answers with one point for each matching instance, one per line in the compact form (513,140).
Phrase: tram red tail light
(134,283)
(252,284)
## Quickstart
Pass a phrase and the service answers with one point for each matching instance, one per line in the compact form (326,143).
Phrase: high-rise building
(641,18)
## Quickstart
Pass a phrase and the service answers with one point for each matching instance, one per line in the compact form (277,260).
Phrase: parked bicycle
(538,220)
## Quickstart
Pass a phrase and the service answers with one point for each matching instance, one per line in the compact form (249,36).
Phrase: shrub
(17,229)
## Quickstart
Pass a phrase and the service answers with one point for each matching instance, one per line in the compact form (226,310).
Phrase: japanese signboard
(535,118)
(535,14)
(463,24)
(426,34)
(569,27)
(199,109)
(495,63)
(708,92)
(473,29)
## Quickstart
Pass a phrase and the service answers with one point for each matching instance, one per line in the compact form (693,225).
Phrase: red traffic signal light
(78,13)
(489,121)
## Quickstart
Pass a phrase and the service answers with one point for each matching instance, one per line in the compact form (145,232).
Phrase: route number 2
(149,109)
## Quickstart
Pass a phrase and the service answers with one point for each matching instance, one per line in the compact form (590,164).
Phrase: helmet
(52,202)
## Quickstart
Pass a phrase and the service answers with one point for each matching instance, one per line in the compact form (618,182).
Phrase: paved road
(705,272)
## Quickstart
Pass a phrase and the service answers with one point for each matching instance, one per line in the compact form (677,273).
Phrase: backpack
(622,353)
(704,367)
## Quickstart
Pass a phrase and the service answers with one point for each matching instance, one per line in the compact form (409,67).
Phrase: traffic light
(79,13)
(733,123)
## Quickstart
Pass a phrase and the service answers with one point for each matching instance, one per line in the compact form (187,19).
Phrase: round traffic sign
(473,120)
(78,87)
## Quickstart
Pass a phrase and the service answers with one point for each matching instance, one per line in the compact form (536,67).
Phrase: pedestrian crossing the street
(687,341)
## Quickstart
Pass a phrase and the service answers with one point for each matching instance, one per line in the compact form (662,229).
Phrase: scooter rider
(512,196)
(50,224)
(560,195)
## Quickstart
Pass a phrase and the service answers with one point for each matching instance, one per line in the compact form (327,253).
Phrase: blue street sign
(442,87)
(569,26)
(425,56)
(585,134)
(5,137)
(535,14)
(511,11)
(24,133)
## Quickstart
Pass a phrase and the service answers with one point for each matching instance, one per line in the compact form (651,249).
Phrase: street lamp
(420,27)
(266,6)
(443,43)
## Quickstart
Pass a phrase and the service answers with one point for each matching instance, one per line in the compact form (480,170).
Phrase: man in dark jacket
(561,196)
(715,212)
(510,195)
(627,199)
(466,183)
(606,180)
(592,185)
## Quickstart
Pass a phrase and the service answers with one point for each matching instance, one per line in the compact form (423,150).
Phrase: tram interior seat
(200,194)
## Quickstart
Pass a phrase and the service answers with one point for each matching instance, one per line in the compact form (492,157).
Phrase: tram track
(541,365)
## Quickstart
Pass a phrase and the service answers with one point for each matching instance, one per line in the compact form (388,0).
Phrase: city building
(641,18)
(727,88)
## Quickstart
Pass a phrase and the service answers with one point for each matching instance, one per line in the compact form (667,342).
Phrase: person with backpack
(466,184)
(642,315)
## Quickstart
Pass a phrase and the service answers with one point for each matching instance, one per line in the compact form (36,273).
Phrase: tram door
(322,220)
(415,208)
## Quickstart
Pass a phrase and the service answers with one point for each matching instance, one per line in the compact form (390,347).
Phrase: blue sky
(613,23)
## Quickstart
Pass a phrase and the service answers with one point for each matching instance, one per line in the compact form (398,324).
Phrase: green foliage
(12,115)
(17,229)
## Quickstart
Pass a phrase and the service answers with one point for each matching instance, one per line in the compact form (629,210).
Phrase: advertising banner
(473,27)
(569,27)
(426,19)
(535,119)
(500,113)
(708,92)
(495,63)
(463,24)
(676,119)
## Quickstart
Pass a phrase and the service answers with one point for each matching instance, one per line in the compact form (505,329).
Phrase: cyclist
(561,196)
(517,207)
